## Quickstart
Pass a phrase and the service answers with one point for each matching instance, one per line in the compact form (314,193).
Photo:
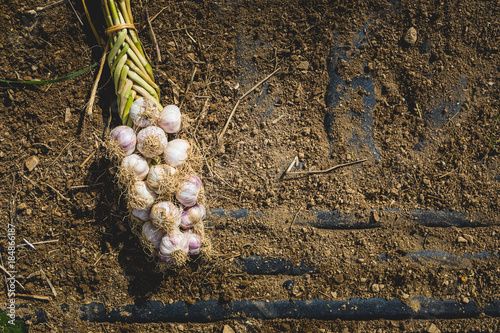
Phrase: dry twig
(307,173)
(96,82)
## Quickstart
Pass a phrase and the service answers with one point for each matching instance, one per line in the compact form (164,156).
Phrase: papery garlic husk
(206,244)
(161,178)
(144,112)
(151,237)
(151,141)
(133,167)
(192,216)
(170,119)
(140,196)
(189,190)
(177,152)
(141,214)
(194,242)
(174,248)
(166,216)
(122,142)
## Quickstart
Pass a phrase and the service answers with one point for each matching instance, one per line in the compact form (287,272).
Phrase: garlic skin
(144,112)
(125,138)
(152,234)
(151,141)
(194,243)
(188,193)
(137,165)
(170,119)
(141,214)
(174,248)
(141,196)
(166,215)
(176,152)
(160,176)
(192,216)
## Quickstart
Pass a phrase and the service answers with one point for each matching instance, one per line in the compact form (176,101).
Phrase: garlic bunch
(124,139)
(152,234)
(170,119)
(166,215)
(174,248)
(188,193)
(176,152)
(144,112)
(141,196)
(151,141)
(192,216)
(159,177)
(136,165)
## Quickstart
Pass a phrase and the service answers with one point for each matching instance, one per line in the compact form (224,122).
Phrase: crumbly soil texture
(410,89)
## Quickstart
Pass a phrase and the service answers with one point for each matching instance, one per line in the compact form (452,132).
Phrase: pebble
(469,238)
(22,206)
(303,65)
(433,329)
(411,36)
(339,278)
(227,329)
(460,239)
(465,300)
(375,288)
(31,162)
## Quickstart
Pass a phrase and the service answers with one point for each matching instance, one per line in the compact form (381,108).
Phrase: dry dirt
(424,114)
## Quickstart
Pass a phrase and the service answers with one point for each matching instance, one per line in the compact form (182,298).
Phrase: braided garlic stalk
(156,169)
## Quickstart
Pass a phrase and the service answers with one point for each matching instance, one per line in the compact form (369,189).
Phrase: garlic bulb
(174,248)
(137,165)
(194,243)
(176,152)
(188,193)
(159,177)
(124,138)
(141,196)
(152,234)
(192,216)
(170,119)
(144,112)
(166,215)
(151,141)
(142,214)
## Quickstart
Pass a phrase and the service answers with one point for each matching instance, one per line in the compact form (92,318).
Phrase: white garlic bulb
(194,243)
(174,248)
(142,214)
(141,196)
(192,216)
(166,215)
(152,234)
(176,152)
(144,112)
(137,165)
(170,119)
(151,141)
(159,177)
(188,193)
(124,138)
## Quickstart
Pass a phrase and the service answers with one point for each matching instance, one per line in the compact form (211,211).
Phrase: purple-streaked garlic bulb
(124,138)
(166,215)
(159,177)
(187,195)
(192,215)
(151,141)
(141,214)
(194,243)
(152,234)
(141,196)
(176,152)
(144,112)
(170,119)
(137,165)
(174,248)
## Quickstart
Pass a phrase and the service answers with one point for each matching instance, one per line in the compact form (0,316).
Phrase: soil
(424,114)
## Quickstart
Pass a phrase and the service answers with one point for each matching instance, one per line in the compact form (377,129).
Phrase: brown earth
(435,126)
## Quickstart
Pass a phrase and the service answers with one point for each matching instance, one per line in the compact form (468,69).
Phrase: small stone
(360,260)
(31,162)
(405,295)
(362,280)
(67,115)
(465,300)
(339,278)
(469,238)
(375,288)
(303,65)
(460,239)
(411,36)
(432,329)
(374,218)
(22,206)
(227,329)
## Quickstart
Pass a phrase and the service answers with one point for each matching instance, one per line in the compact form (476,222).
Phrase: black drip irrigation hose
(353,309)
